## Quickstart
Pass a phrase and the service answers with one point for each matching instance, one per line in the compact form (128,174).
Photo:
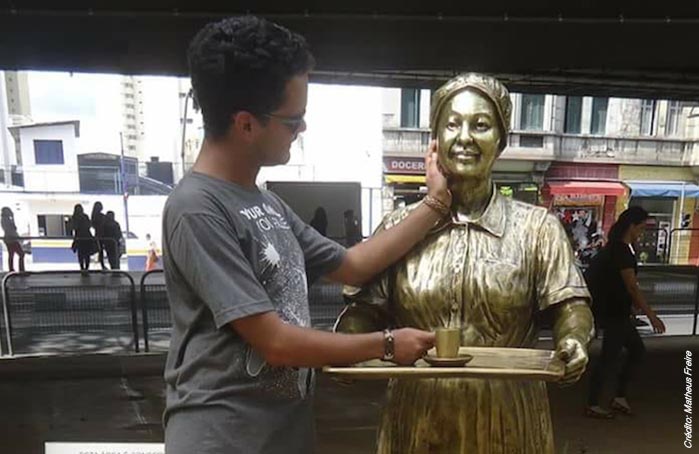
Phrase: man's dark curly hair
(243,63)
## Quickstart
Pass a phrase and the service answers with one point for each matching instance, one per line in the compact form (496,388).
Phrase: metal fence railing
(155,311)
(325,304)
(671,290)
(58,312)
(69,312)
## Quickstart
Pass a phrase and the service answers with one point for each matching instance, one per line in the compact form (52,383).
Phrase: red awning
(586,187)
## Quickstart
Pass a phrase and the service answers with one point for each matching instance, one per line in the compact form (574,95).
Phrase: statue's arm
(573,328)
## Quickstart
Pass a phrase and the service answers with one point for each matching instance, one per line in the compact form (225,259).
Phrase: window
(48,152)
(409,108)
(672,121)
(598,123)
(532,112)
(648,117)
(573,115)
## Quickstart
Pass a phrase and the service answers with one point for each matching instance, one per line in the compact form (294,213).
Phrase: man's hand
(658,325)
(410,345)
(574,354)
(436,179)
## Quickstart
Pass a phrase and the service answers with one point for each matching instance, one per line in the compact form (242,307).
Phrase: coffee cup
(447,341)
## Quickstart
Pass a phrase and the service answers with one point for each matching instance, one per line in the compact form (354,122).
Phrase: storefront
(669,235)
(585,208)
(404,180)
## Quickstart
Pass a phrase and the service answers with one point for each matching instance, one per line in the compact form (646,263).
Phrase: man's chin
(278,160)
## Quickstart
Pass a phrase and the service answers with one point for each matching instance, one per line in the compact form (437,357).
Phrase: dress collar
(493,218)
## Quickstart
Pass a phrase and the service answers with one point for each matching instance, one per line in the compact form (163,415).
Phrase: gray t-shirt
(231,252)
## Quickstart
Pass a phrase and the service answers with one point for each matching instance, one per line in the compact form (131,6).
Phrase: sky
(342,142)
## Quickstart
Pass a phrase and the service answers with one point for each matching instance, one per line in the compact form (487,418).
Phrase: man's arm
(281,344)
(631,284)
(364,260)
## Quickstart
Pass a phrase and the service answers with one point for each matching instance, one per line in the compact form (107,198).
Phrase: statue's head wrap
(488,86)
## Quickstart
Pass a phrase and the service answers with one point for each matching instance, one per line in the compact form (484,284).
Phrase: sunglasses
(293,123)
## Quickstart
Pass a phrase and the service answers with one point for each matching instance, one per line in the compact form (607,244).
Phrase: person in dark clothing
(112,240)
(612,283)
(320,221)
(12,239)
(83,242)
(97,219)
(353,233)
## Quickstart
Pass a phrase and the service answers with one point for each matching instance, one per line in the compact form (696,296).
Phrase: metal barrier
(671,289)
(155,310)
(69,312)
(325,304)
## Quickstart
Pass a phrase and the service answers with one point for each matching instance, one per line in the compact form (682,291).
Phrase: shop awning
(405,179)
(586,187)
(663,189)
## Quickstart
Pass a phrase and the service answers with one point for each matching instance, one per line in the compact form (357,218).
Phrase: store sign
(404,165)
(104,448)
(578,199)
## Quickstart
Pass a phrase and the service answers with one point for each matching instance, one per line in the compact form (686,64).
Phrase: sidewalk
(120,398)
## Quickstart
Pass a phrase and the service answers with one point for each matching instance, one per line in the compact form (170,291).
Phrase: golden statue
(494,263)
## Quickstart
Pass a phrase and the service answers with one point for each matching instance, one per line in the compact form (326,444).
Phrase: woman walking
(83,241)
(12,239)
(97,219)
(615,290)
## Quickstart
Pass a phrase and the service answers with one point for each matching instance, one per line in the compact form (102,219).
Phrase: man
(236,258)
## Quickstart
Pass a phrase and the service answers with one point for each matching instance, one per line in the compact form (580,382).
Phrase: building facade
(585,158)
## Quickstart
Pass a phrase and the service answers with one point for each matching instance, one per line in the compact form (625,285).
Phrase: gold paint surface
(490,269)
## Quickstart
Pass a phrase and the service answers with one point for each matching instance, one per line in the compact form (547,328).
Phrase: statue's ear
(501,145)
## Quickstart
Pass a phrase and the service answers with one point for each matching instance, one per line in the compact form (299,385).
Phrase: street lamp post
(184,128)
(124,188)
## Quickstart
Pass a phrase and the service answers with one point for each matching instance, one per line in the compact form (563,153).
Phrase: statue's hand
(574,354)
(435,176)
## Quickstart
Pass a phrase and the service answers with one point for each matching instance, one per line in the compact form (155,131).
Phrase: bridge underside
(599,48)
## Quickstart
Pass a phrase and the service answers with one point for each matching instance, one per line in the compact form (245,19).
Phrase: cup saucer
(457,361)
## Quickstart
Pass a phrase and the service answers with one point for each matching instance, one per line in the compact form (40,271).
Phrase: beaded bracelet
(436,204)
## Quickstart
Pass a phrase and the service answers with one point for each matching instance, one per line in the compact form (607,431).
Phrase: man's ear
(243,122)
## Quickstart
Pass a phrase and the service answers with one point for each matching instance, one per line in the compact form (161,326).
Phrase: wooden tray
(487,362)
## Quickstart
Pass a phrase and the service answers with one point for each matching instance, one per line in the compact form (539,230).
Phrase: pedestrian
(84,243)
(97,220)
(611,279)
(112,240)
(14,247)
(239,374)
(353,233)
(152,257)
(320,221)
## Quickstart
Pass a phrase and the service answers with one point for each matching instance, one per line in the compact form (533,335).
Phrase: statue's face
(468,136)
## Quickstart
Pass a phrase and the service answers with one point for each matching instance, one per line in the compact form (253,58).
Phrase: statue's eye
(482,125)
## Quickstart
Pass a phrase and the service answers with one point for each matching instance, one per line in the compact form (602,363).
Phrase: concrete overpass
(594,47)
